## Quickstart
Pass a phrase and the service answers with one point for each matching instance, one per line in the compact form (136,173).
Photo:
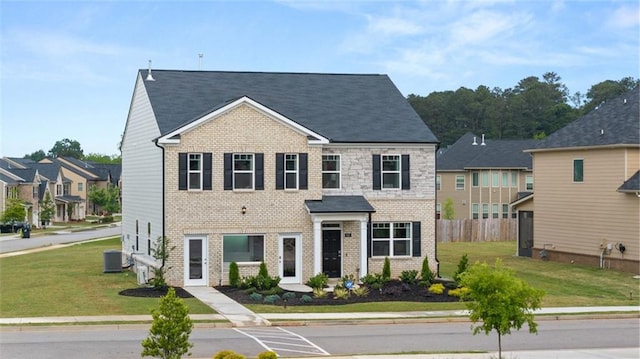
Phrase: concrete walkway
(236,313)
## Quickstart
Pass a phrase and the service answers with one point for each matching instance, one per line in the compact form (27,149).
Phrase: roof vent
(624,101)
(475,143)
(601,131)
(149,76)
(483,144)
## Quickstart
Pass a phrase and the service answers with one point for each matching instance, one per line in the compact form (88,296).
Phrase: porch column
(317,246)
(363,248)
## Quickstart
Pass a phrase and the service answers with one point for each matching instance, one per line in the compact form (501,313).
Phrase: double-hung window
(495,179)
(331,171)
(505,211)
(195,171)
(505,179)
(474,210)
(391,239)
(243,167)
(291,171)
(437,183)
(495,207)
(529,183)
(390,171)
(485,210)
(460,183)
(475,179)
(485,179)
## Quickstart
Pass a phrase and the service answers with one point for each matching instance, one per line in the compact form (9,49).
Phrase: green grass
(70,282)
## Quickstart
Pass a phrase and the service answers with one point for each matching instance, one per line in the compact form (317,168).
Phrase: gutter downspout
(163,201)
(435,232)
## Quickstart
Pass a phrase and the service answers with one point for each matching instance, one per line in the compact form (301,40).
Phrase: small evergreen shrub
(436,288)
(386,269)
(305,298)
(255,296)
(426,275)
(340,293)
(463,265)
(460,292)
(289,295)
(268,355)
(318,281)
(319,293)
(409,276)
(271,299)
(228,354)
(360,291)
(234,275)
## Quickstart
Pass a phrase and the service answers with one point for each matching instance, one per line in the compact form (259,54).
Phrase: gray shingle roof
(463,154)
(339,204)
(616,122)
(632,184)
(340,107)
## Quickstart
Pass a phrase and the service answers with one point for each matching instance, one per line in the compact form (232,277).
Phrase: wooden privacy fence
(476,230)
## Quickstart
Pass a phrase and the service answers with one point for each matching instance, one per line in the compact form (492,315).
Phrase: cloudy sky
(68,68)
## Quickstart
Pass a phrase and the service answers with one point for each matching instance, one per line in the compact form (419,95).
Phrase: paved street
(15,243)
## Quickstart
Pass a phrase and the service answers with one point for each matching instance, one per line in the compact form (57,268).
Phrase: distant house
(483,176)
(586,205)
(308,173)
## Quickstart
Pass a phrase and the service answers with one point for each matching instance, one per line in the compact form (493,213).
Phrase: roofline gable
(173,136)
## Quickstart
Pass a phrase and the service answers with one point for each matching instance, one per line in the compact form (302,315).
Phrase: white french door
(290,258)
(195,261)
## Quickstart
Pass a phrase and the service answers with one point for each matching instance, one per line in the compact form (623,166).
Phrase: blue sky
(67,69)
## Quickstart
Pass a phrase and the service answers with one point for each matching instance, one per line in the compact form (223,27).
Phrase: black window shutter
(182,169)
(406,184)
(376,172)
(369,241)
(206,173)
(302,181)
(279,170)
(259,180)
(416,239)
(228,171)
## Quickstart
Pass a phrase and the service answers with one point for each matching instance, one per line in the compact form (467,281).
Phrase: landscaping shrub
(360,291)
(463,265)
(340,293)
(426,275)
(318,281)
(306,298)
(460,292)
(289,295)
(228,354)
(271,299)
(386,269)
(343,282)
(437,288)
(409,276)
(268,355)
(234,275)
(256,297)
(319,293)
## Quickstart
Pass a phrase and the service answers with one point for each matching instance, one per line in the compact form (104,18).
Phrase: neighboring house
(308,173)
(483,176)
(586,201)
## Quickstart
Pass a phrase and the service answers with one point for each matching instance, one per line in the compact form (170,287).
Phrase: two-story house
(308,173)
(483,176)
(587,195)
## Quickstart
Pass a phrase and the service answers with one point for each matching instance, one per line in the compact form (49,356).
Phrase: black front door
(525,233)
(331,253)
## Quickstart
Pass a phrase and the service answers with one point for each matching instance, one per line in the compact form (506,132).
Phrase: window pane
(330,180)
(194,162)
(291,163)
(391,180)
(474,179)
(380,248)
(390,163)
(578,170)
(243,162)
(381,230)
(505,179)
(194,180)
(401,248)
(243,181)
(495,179)
(485,210)
(485,179)
(505,211)
(494,210)
(514,179)
(242,248)
(401,230)
(437,183)
(291,180)
(459,182)
(330,163)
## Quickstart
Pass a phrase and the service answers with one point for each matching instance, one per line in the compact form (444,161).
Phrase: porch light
(244,210)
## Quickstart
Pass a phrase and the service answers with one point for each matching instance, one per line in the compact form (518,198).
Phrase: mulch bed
(393,290)
(151,292)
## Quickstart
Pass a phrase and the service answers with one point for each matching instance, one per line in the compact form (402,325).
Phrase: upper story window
(505,179)
(291,171)
(391,239)
(391,172)
(459,182)
(67,189)
(514,179)
(485,179)
(243,167)
(578,170)
(495,179)
(195,171)
(528,183)
(475,179)
(80,187)
(438,183)
(59,190)
(331,171)
(35,192)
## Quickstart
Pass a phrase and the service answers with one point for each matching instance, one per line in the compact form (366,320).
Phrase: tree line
(72,148)
(534,108)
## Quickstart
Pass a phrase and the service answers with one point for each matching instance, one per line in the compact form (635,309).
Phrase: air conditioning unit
(112,261)
(143,274)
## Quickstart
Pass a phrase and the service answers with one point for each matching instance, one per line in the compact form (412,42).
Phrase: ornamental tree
(500,300)
(170,330)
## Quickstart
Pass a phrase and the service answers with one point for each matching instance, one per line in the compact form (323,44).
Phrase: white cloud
(625,16)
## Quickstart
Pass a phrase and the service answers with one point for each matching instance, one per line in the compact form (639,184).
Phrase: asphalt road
(19,244)
(124,342)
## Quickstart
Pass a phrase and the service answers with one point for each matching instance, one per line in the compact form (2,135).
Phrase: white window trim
(392,239)
(527,183)
(338,171)
(191,171)
(397,172)
(252,171)
(294,171)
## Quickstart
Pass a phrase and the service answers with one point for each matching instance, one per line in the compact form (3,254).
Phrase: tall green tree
(66,148)
(499,300)
(606,90)
(14,211)
(36,156)
(169,333)
(46,209)
(107,198)
(100,158)
(448,211)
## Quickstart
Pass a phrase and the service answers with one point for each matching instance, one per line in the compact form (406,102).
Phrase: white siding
(141,174)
